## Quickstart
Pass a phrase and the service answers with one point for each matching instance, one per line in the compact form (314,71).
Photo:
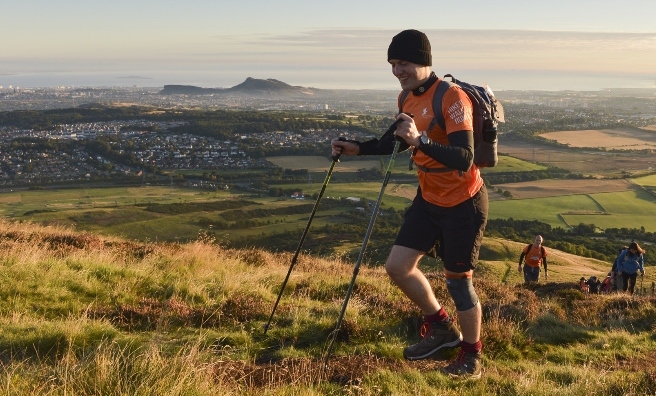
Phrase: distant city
(381,102)
(152,146)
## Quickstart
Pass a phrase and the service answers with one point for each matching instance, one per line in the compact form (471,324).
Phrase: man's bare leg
(402,268)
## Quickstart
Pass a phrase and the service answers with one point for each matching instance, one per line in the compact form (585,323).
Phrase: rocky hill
(250,86)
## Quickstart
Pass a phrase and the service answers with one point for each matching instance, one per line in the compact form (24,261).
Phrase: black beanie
(412,46)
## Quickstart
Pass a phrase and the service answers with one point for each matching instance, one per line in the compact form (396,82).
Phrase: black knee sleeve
(463,293)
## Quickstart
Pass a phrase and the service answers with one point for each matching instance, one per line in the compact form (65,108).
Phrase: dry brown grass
(187,317)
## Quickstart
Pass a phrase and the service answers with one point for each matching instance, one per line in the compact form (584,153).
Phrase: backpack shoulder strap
(438,119)
(402,97)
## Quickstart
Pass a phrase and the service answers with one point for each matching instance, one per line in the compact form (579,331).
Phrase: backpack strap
(438,116)
(433,170)
(402,97)
(528,249)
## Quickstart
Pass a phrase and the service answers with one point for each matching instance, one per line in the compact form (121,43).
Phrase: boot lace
(424,329)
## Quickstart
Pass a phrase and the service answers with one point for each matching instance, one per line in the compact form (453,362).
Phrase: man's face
(538,240)
(410,75)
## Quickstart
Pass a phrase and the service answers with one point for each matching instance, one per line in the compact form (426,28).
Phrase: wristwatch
(424,140)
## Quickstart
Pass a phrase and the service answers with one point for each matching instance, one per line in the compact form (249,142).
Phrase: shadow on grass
(551,330)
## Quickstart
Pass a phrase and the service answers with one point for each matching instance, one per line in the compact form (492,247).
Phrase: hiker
(583,285)
(594,284)
(617,279)
(532,256)
(447,216)
(607,284)
(629,262)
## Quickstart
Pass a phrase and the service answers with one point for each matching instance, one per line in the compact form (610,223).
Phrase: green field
(629,209)
(646,181)
(546,210)
(512,164)
(369,190)
(350,164)
(322,164)
(121,211)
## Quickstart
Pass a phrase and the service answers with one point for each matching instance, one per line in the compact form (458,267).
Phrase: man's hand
(343,147)
(519,268)
(407,130)
(642,273)
(546,274)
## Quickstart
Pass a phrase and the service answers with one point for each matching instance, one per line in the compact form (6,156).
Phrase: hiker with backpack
(606,284)
(532,256)
(616,278)
(629,262)
(594,285)
(448,215)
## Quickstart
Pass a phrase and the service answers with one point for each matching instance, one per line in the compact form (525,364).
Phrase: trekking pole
(335,159)
(366,240)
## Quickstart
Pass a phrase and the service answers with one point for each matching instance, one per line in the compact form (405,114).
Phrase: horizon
(550,82)
(562,45)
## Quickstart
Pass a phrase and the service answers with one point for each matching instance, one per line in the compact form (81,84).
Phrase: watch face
(424,139)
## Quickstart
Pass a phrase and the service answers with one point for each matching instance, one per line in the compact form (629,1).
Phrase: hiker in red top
(535,255)
(448,215)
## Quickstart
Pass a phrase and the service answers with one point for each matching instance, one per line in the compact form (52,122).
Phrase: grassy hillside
(89,315)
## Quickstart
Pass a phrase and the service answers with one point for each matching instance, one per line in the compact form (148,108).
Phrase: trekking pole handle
(392,127)
(335,157)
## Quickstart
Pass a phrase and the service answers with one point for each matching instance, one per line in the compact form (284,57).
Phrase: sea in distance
(337,79)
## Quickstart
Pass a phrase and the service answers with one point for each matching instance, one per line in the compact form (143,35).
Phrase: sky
(335,44)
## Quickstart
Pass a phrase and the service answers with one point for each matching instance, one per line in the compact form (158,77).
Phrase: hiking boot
(467,365)
(435,336)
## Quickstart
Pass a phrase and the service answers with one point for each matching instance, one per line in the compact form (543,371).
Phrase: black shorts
(454,234)
(531,274)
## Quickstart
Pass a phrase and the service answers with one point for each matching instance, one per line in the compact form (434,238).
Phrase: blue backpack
(487,112)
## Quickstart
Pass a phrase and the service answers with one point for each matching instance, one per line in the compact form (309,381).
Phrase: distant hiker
(583,285)
(629,262)
(616,278)
(606,284)
(532,256)
(594,284)
(447,216)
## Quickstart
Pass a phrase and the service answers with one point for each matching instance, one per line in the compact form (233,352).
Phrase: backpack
(487,113)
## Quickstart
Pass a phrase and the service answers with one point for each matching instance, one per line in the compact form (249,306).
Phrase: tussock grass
(82,314)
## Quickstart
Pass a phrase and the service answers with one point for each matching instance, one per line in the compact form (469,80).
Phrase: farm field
(630,209)
(346,164)
(552,187)
(646,181)
(596,163)
(618,139)
(320,164)
(16,204)
(120,211)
